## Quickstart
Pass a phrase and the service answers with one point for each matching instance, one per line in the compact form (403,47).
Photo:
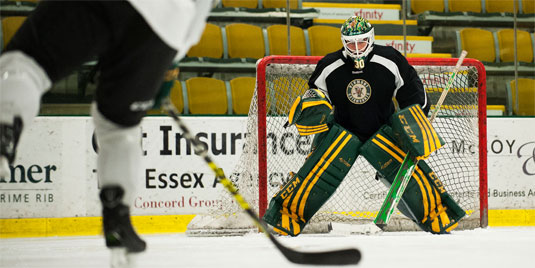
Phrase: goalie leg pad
(323,171)
(425,199)
(414,132)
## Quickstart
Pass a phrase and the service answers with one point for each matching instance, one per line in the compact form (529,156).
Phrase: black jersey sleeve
(316,74)
(319,77)
(412,91)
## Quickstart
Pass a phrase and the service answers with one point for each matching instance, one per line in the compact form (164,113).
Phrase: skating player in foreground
(350,109)
(135,42)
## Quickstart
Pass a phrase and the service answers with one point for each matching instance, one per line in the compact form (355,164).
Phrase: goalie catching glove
(311,113)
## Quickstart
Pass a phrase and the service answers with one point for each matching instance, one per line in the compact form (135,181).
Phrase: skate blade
(121,258)
(5,172)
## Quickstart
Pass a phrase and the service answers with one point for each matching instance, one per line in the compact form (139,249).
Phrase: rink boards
(53,188)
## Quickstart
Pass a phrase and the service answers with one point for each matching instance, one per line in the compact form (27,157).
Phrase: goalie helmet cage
(271,151)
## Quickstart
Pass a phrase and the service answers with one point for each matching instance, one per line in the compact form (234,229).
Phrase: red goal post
(455,109)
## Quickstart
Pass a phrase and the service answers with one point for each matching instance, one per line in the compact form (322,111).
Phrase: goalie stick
(334,257)
(406,170)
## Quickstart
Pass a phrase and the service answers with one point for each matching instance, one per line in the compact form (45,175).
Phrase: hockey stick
(410,162)
(335,257)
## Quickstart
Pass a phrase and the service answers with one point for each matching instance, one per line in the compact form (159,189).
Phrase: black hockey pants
(63,35)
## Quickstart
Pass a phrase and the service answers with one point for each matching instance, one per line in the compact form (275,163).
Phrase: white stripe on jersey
(425,100)
(320,81)
(178,23)
(390,65)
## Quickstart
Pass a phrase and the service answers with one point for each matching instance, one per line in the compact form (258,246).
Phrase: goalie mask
(358,38)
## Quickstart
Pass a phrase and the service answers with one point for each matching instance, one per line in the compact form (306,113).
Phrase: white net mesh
(360,196)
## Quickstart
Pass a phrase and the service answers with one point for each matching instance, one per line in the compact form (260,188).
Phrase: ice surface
(491,247)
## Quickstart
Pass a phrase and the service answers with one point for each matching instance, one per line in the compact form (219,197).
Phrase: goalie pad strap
(305,130)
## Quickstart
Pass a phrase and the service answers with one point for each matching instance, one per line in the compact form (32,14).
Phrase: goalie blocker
(334,151)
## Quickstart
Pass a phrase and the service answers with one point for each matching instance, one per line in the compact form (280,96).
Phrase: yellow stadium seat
(528,6)
(324,40)
(278,40)
(419,6)
(526,97)
(240,3)
(478,43)
(210,45)
(176,96)
(206,96)
(279,4)
(155,112)
(245,41)
(10,25)
(242,90)
(493,6)
(282,92)
(506,45)
(465,5)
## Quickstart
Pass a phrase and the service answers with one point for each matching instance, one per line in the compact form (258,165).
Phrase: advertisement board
(54,175)
(511,163)
(55,171)
(342,11)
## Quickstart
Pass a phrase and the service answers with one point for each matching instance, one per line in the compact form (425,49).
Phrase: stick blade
(334,257)
(340,257)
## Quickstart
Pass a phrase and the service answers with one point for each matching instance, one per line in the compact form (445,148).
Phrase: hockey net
(271,151)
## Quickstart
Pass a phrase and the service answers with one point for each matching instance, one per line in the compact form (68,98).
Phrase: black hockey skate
(9,138)
(118,230)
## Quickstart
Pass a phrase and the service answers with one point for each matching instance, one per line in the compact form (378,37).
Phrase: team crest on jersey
(358,91)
